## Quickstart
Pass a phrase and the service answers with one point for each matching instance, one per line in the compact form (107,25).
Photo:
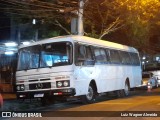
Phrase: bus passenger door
(84,70)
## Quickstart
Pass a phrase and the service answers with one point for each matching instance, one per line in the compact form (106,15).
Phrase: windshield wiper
(26,67)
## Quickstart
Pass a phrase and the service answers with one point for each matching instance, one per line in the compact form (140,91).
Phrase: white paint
(108,77)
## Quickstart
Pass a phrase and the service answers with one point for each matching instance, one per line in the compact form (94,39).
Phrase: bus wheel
(120,93)
(90,96)
(126,89)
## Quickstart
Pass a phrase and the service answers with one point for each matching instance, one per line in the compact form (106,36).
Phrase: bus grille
(39,86)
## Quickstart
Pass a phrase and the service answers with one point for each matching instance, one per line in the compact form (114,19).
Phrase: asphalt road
(140,104)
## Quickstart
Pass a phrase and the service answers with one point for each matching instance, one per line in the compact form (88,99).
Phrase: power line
(49,3)
(13,26)
(48,6)
(25,9)
(28,4)
(34,16)
(9,3)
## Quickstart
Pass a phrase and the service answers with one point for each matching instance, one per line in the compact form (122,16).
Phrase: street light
(36,30)
(26,43)
(144,58)
(9,53)
(34,21)
(10,44)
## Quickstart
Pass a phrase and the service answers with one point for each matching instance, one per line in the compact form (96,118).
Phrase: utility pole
(36,30)
(36,34)
(80,18)
(19,34)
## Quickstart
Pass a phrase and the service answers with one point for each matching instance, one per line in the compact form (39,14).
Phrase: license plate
(39,95)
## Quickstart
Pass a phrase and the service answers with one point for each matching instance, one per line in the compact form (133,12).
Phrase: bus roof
(87,40)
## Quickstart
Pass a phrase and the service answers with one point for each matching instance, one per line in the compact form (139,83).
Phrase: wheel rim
(126,90)
(90,93)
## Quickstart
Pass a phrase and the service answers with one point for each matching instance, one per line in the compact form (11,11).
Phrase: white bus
(76,66)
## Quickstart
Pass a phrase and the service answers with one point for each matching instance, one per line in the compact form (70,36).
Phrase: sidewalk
(8,96)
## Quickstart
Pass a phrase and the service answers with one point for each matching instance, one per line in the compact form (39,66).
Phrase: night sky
(4,27)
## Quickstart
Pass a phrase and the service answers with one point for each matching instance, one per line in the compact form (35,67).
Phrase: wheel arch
(93,82)
(128,82)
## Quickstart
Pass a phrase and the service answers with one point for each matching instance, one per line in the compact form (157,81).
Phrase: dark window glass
(29,58)
(81,52)
(46,55)
(83,55)
(89,53)
(115,57)
(126,59)
(135,59)
(107,54)
(100,55)
(145,75)
(56,54)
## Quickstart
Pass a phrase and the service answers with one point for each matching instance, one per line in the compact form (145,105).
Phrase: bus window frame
(119,57)
(83,61)
(106,55)
(130,59)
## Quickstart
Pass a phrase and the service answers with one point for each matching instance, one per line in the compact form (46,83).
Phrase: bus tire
(124,92)
(126,89)
(90,96)
(120,93)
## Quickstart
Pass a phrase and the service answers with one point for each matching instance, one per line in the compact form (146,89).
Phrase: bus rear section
(100,69)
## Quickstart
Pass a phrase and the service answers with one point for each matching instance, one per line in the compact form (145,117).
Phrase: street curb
(9,96)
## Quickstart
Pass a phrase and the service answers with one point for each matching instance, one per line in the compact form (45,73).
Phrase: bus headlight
(22,87)
(65,83)
(149,83)
(18,87)
(59,84)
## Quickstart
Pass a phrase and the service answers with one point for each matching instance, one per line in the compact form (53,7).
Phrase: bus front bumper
(47,93)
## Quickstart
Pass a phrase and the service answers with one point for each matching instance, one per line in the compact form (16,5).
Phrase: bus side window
(89,56)
(100,55)
(125,58)
(107,54)
(115,57)
(135,59)
(79,54)
(84,55)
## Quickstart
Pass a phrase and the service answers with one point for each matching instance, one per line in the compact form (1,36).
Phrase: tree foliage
(46,12)
(101,18)
(138,19)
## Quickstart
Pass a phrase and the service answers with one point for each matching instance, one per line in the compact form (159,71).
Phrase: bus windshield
(45,55)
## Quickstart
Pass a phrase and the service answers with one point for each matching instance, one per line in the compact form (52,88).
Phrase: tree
(56,13)
(101,18)
(57,10)
(140,17)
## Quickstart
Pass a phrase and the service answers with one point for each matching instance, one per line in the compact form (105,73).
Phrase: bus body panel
(108,77)
(44,75)
(83,76)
